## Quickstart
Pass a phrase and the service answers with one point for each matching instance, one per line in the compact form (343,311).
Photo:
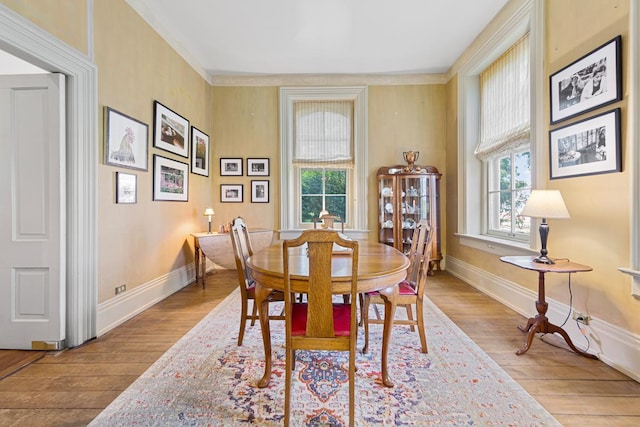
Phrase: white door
(32,212)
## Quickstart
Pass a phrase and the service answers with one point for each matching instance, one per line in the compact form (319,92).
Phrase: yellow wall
(598,232)
(64,19)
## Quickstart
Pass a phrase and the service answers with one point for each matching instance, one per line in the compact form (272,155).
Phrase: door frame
(25,40)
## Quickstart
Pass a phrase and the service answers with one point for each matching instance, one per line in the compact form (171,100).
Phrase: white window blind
(323,134)
(505,102)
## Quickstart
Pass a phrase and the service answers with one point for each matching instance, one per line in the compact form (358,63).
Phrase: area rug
(206,379)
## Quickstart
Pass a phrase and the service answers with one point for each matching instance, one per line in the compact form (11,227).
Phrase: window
(505,141)
(323,157)
(323,134)
(499,127)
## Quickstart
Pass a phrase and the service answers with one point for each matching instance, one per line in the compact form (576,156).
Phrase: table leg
(262,301)
(203,268)
(389,296)
(197,261)
(541,324)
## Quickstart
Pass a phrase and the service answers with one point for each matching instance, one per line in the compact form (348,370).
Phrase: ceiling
(312,37)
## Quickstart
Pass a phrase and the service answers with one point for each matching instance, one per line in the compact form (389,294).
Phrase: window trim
(472,180)
(357,94)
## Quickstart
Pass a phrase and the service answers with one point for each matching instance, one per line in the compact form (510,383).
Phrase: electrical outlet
(581,318)
(120,289)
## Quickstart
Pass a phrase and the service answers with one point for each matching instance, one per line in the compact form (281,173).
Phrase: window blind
(323,134)
(505,102)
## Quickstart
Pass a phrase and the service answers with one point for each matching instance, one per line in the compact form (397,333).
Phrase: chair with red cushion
(411,290)
(242,250)
(319,323)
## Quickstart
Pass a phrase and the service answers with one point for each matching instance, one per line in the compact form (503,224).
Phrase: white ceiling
(311,37)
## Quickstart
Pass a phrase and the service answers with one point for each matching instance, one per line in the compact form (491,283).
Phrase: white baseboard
(128,304)
(615,346)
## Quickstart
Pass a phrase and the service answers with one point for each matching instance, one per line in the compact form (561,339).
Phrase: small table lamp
(545,204)
(209,212)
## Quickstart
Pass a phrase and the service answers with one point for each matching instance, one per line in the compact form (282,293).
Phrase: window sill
(495,246)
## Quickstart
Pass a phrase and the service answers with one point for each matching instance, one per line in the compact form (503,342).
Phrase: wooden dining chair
(242,250)
(411,290)
(319,323)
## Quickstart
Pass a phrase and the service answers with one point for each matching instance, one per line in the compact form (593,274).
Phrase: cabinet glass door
(414,206)
(387,210)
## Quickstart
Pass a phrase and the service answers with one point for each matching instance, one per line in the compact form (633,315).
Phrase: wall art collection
(591,145)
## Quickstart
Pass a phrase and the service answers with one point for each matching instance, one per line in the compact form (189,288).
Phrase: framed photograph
(170,179)
(231,167)
(591,146)
(170,130)
(231,193)
(126,141)
(259,191)
(257,167)
(199,152)
(590,82)
(126,188)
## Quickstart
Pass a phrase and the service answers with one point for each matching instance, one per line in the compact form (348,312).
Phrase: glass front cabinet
(406,197)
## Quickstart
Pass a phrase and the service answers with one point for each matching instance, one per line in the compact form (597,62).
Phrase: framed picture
(590,82)
(199,152)
(126,187)
(259,191)
(126,141)
(231,193)
(170,130)
(589,147)
(257,167)
(231,167)
(170,179)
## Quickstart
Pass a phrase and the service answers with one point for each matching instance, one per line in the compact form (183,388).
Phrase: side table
(541,323)
(218,248)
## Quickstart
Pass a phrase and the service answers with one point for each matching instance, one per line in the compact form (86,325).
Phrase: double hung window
(504,147)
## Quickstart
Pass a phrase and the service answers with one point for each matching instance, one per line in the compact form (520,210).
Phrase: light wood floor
(71,387)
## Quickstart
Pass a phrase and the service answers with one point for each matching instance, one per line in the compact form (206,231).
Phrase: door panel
(32,212)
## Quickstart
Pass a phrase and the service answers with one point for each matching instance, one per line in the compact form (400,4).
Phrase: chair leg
(243,320)
(352,388)
(287,387)
(365,321)
(420,321)
(410,316)
(254,313)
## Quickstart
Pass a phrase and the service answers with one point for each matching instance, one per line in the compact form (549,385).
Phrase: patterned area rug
(206,379)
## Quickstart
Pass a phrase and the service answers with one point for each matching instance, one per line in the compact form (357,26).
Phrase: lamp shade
(545,204)
(209,212)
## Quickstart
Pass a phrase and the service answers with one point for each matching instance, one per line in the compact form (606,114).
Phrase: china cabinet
(407,195)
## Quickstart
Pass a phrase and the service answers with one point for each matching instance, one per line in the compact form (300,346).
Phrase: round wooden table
(380,268)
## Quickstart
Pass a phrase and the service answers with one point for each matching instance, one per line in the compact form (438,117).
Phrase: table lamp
(545,204)
(209,212)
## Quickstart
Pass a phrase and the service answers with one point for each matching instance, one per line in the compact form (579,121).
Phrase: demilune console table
(218,248)
(541,323)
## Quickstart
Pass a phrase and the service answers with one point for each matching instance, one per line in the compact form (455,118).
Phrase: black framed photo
(126,188)
(170,179)
(591,146)
(126,141)
(231,167)
(590,82)
(199,152)
(170,130)
(259,191)
(231,193)
(257,167)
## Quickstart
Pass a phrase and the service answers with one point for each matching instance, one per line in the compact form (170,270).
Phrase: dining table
(380,268)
